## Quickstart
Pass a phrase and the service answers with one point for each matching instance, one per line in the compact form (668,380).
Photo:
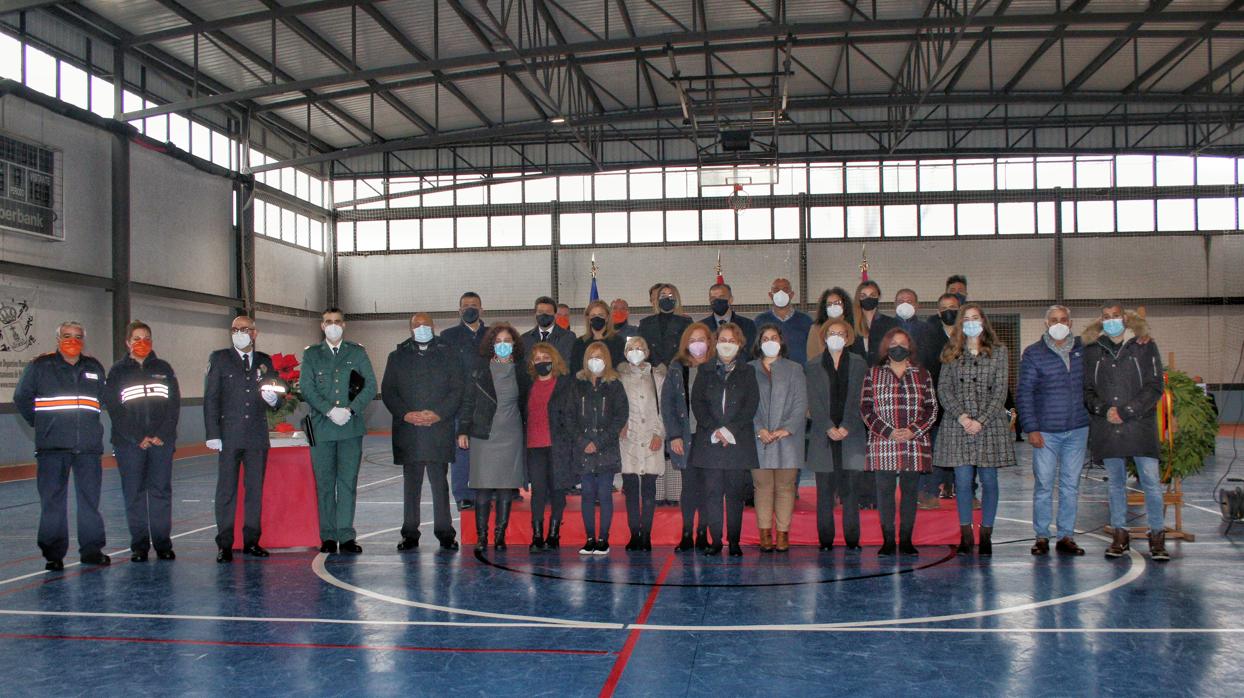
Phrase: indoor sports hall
(311,309)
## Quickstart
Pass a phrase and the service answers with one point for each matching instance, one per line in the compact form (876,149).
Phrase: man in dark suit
(547,331)
(721,300)
(236,398)
(464,338)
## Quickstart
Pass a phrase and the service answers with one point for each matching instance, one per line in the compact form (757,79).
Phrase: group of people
(704,412)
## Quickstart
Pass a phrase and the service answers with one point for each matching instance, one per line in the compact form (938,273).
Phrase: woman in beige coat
(643,440)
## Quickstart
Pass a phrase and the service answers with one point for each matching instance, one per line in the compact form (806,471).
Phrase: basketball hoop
(739,200)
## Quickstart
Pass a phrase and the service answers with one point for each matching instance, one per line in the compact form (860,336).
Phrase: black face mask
(544,320)
(544,368)
(869,303)
(949,315)
(721,306)
(963,298)
(666,304)
(598,323)
(899,354)
(470,315)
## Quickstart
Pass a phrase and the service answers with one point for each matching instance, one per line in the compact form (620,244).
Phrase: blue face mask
(1113,327)
(423,334)
(973,328)
(503,349)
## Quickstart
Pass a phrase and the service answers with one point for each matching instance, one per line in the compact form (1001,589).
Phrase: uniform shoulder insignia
(308,347)
(357,344)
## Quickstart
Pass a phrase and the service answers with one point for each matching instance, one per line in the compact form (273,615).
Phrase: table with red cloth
(291,515)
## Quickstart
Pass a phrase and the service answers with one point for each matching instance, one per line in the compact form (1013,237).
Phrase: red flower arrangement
(286,367)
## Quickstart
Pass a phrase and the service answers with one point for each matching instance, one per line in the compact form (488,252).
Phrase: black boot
(965,540)
(635,542)
(503,520)
(554,539)
(646,543)
(483,507)
(905,545)
(537,536)
(986,545)
(887,542)
(687,543)
(701,539)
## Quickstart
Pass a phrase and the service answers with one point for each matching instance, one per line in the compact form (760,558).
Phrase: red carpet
(939,527)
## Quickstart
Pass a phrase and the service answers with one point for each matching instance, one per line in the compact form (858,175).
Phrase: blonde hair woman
(597,328)
(643,440)
(594,419)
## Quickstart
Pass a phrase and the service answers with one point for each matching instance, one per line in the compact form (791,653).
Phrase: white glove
(339,416)
(725,434)
(269,396)
(215,444)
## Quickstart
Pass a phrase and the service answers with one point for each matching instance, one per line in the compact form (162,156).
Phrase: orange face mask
(70,347)
(141,348)
(620,317)
(563,321)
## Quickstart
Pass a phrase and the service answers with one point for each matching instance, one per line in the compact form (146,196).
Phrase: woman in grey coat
(972,391)
(780,421)
(837,437)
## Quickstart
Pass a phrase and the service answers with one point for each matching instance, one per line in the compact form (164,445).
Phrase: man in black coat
(940,480)
(60,394)
(422,388)
(546,329)
(1123,382)
(721,300)
(464,339)
(237,395)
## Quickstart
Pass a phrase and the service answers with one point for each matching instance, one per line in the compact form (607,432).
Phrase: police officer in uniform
(60,394)
(144,399)
(337,383)
(236,398)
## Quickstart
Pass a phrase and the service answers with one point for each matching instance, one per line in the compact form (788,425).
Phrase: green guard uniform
(338,450)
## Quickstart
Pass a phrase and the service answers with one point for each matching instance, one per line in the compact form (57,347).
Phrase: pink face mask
(698,349)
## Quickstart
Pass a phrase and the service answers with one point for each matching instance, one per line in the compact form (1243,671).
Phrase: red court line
(300,645)
(632,638)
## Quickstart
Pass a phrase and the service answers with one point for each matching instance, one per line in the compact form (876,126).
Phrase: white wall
(434,281)
(289,276)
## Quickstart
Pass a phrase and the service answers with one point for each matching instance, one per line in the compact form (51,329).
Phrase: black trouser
(691,501)
(641,500)
(732,485)
(147,484)
(839,483)
(907,483)
(412,495)
(52,481)
(544,491)
(253,463)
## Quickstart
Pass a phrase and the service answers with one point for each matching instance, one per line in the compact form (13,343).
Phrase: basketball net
(739,200)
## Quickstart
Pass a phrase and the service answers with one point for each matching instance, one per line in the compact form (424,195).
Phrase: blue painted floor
(513,623)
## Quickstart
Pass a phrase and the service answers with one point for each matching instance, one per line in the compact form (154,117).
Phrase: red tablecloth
(291,516)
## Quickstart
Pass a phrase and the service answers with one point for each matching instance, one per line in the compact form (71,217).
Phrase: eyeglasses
(242,330)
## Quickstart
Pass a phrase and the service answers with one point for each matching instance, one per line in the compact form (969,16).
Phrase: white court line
(261,619)
(115,552)
(378,482)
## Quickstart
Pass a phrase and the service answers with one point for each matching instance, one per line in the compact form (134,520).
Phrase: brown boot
(1042,546)
(1120,544)
(766,540)
(1067,546)
(783,541)
(1157,547)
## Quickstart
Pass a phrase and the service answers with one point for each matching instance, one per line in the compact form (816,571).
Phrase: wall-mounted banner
(18,336)
(30,188)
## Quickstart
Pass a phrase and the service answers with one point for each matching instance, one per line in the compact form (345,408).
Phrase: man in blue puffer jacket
(1050,398)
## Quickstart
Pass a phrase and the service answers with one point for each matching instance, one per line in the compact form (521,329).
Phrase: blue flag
(595,295)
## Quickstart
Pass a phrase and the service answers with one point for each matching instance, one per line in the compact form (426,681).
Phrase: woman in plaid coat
(973,394)
(899,408)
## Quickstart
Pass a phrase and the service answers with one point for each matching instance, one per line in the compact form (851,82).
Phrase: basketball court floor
(659,623)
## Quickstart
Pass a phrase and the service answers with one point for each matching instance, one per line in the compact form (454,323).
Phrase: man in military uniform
(338,383)
(60,394)
(237,395)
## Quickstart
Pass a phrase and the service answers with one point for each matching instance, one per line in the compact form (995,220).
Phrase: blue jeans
(597,488)
(1062,457)
(459,473)
(1150,482)
(964,474)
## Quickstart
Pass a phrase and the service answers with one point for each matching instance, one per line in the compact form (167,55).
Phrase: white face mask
(1058,331)
(333,333)
(727,350)
(422,334)
(636,356)
(241,341)
(835,343)
(905,311)
(771,348)
(833,310)
(781,299)
(596,365)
